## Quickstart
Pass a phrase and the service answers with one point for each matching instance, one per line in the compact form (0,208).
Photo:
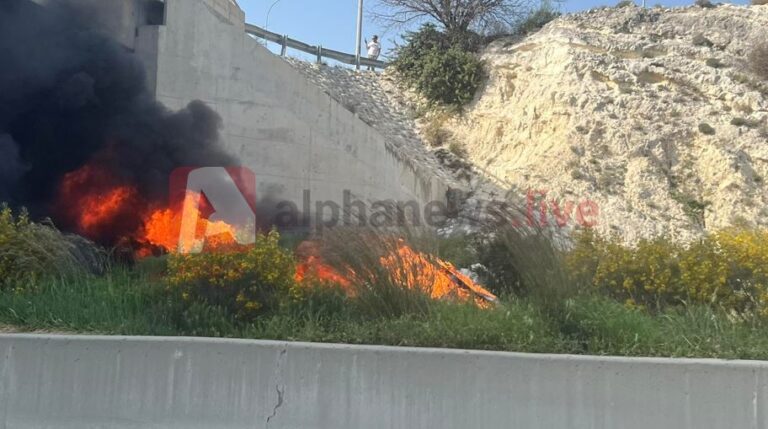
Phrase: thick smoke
(69,96)
(11,166)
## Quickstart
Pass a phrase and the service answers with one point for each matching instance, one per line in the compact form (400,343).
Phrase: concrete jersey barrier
(120,382)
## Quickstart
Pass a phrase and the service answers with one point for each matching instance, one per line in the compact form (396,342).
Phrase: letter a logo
(214,201)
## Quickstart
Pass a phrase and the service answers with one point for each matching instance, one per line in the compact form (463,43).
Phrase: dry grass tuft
(30,251)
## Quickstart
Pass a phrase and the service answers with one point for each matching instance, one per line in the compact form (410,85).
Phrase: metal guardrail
(286,42)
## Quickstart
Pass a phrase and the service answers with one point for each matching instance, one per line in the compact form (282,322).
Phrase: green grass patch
(130,302)
(598,297)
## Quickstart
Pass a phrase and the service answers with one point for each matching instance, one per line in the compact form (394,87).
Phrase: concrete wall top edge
(180,341)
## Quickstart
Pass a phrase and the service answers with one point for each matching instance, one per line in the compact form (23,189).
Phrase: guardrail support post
(319,54)
(284,49)
(359,41)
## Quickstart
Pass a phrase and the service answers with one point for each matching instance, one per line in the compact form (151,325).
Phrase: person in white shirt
(374,49)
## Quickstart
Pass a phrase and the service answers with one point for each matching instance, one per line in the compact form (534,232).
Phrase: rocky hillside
(652,114)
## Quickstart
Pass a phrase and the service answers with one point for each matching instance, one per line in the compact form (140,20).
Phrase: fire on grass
(404,266)
(116,213)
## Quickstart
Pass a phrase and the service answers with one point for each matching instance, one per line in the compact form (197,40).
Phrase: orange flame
(161,229)
(95,206)
(165,228)
(408,267)
(438,278)
(91,205)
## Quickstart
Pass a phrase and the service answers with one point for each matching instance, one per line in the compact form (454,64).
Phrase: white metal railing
(320,52)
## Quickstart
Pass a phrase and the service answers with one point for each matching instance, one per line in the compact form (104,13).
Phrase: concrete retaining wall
(117,382)
(291,133)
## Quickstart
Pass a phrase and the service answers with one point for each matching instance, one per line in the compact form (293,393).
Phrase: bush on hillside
(442,67)
(758,60)
(245,283)
(704,3)
(759,2)
(451,77)
(537,20)
(728,269)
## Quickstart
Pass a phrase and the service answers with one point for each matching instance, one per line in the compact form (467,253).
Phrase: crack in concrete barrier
(280,392)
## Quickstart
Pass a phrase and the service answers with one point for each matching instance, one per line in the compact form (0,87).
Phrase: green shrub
(600,326)
(728,269)
(537,20)
(759,2)
(245,283)
(410,57)
(451,77)
(701,40)
(704,4)
(706,129)
(625,3)
(715,63)
(439,66)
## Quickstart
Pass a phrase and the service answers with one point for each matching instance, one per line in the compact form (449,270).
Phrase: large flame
(91,203)
(412,269)
(165,228)
(94,205)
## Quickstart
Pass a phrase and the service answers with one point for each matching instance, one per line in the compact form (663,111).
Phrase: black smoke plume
(70,95)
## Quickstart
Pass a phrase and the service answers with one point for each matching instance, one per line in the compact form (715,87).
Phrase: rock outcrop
(652,114)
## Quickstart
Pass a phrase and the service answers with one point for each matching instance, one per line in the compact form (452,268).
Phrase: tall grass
(599,325)
(526,260)
(117,302)
(29,251)
(380,290)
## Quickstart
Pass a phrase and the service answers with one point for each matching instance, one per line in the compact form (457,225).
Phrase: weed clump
(758,60)
(31,251)
(245,283)
(701,40)
(434,132)
(706,129)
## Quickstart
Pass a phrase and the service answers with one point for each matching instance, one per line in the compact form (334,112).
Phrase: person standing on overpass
(374,49)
